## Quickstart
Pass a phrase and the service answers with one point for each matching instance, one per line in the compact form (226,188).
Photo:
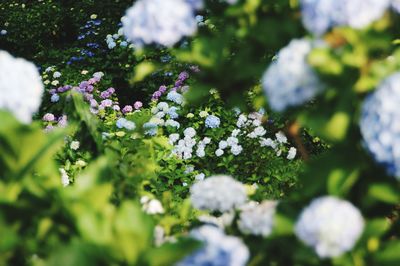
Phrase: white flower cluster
(250,126)
(218,249)
(201,147)
(257,219)
(151,206)
(278,145)
(184,147)
(290,81)
(380,124)
(113,39)
(231,142)
(164,115)
(330,225)
(396,5)
(64,177)
(162,22)
(218,193)
(321,15)
(21,87)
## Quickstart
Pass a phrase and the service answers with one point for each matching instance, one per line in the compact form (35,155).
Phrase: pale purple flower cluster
(179,84)
(52,121)
(137,105)
(107,93)
(127,109)
(48,117)
(157,94)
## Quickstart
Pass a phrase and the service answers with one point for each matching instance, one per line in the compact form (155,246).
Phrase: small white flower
(200,177)
(280,137)
(203,114)
(223,145)
(55,82)
(236,149)
(235,132)
(200,152)
(56,75)
(163,106)
(173,138)
(189,169)
(256,123)
(75,145)
(232,141)
(189,132)
(206,140)
(219,153)
(81,163)
(241,121)
(268,143)
(292,153)
(172,123)
(260,131)
(64,177)
(151,206)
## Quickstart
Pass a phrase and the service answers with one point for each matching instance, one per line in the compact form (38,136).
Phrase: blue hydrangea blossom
(162,22)
(330,225)
(212,121)
(218,249)
(380,124)
(290,80)
(321,15)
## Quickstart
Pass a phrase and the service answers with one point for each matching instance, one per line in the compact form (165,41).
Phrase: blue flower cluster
(87,31)
(159,22)
(380,124)
(175,97)
(321,15)
(290,80)
(219,249)
(150,129)
(212,121)
(124,123)
(172,112)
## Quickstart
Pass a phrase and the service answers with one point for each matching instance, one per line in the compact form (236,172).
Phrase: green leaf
(283,225)
(170,253)
(142,70)
(341,180)
(390,254)
(91,121)
(384,192)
